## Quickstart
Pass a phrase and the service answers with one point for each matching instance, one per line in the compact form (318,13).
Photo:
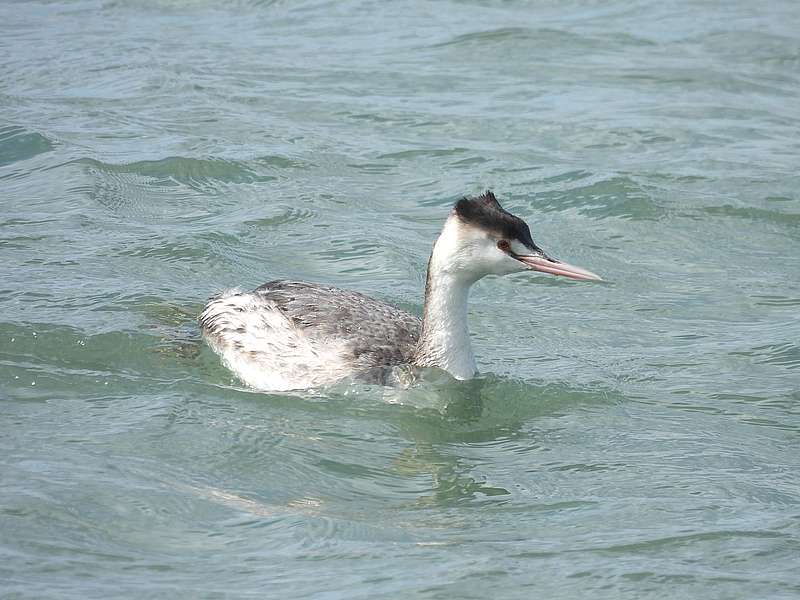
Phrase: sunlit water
(633,439)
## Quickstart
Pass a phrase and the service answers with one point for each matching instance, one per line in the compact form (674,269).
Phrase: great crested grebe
(288,335)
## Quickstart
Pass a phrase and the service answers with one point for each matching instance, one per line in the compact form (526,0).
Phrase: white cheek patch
(519,248)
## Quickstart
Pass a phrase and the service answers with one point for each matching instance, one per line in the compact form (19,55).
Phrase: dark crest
(484,211)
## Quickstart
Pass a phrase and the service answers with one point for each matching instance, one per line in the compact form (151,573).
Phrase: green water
(633,439)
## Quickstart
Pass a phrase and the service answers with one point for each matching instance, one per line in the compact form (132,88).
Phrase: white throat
(444,341)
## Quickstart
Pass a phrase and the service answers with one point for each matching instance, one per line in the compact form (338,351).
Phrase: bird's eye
(504,245)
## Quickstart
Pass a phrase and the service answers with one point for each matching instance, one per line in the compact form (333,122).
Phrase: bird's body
(295,335)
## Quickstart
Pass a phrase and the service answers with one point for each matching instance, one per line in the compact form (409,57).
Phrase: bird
(293,335)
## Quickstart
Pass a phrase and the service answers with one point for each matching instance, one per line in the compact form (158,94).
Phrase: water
(635,439)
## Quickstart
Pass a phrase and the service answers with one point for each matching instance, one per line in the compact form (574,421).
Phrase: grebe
(295,335)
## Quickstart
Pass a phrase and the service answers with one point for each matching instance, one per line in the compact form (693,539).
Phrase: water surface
(634,439)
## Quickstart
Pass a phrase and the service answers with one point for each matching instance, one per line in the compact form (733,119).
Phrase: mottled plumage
(294,335)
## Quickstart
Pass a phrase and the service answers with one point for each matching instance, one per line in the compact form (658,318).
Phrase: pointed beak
(545,264)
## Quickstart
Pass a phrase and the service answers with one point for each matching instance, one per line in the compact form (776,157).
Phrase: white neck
(444,341)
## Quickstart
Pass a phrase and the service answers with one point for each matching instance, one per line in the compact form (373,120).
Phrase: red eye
(504,245)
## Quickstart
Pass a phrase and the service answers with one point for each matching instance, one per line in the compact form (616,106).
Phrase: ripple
(166,251)
(567,177)
(753,46)
(70,350)
(274,162)
(422,153)
(628,138)
(752,213)
(542,39)
(168,188)
(349,249)
(767,300)
(289,216)
(135,196)
(505,34)
(785,355)
(683,540)
(619,197)
(373,168)
(193,172)
(18,144)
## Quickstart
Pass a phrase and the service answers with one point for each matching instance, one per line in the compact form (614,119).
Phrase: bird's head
(481,238)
